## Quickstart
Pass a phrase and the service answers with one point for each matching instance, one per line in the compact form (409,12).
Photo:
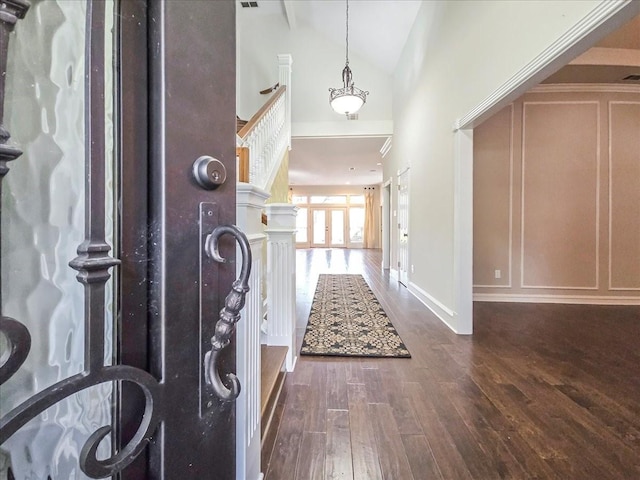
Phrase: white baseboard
(440,310)
(393,274)
(567,299)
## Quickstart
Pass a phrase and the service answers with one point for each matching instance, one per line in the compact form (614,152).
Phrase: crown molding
(600,14)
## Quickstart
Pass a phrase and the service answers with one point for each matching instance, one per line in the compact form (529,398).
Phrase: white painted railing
(249,205)
(267,135)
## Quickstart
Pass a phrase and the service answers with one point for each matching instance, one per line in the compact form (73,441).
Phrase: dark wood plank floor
(538,392)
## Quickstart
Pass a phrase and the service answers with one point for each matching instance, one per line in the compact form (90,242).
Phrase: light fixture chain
(347,28)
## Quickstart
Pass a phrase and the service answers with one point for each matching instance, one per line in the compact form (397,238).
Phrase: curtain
(369,224)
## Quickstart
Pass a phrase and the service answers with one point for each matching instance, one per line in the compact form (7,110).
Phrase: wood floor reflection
(539,391)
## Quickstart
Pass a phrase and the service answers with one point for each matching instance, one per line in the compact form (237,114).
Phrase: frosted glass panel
(301,226)
(356,224)
(337,227)
(319,227)
(42,226)
(328,199)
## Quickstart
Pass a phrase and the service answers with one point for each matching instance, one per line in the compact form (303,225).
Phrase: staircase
(264,355)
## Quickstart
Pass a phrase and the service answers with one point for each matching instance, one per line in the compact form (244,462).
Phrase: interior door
(124,371)
(328,227)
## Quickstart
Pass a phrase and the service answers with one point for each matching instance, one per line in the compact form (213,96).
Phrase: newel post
(281,278)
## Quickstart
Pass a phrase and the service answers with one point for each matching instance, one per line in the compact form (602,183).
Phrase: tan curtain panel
(369,225)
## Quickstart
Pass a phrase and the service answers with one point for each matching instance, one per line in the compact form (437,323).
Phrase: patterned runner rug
(346,319)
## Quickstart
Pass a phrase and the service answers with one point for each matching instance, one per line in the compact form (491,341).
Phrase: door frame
(386,224)
(403,216)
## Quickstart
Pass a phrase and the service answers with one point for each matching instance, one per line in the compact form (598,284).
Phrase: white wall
(317,66)
(457,55)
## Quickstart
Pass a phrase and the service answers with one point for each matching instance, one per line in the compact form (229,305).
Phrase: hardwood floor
(538,392)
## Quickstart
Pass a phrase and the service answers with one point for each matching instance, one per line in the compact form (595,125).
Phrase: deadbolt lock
(209,172)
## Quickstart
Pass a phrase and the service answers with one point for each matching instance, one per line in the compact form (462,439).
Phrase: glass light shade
(347,103)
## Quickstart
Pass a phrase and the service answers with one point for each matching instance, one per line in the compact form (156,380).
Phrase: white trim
(385,223)
(404,269)
(597,196)
(477,285)
(393,274)
(444,313)
(585,88)
(292,20)
(341,128)
(610,110)
(559,52)
(462,322)
(566,299)
(403,170)
(386,147)
(511,180)
(255,238)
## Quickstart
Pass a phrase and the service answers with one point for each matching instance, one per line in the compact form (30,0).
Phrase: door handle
(230,313)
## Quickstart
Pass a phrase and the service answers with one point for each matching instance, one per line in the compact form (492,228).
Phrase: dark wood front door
(159,95)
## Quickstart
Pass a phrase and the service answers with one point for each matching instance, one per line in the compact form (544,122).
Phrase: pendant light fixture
(348,99)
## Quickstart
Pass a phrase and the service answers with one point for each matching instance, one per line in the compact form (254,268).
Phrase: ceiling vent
(249,4)
(352,116)
(632,78)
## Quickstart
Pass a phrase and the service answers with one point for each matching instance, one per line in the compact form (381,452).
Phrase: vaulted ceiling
(329,149)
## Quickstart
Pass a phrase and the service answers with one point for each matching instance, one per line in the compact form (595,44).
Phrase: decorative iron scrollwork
(93,467)
(19,344)
(230,314)
(92,263)
(17,335)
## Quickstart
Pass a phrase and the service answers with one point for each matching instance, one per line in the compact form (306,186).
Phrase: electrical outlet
(412,269)
(498,274)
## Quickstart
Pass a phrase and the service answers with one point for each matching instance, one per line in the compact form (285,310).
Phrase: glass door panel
(43,223)
(319,226)
(356,226)
(302,229)
(337,228)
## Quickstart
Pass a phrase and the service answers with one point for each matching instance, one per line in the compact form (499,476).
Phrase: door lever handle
(230,313)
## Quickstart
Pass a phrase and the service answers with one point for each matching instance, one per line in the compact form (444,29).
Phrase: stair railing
(263,141)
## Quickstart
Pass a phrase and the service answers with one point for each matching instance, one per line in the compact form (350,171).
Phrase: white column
(249,204)
(284,77)
(281,278)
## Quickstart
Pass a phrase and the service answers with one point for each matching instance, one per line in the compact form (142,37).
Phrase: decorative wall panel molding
(560,155)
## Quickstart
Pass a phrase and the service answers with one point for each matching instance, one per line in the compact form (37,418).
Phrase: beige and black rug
(346,319)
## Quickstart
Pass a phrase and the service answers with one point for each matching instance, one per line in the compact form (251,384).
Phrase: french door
(122,116)
(328,227)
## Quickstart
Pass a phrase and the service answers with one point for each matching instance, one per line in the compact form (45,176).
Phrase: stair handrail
(260,114)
